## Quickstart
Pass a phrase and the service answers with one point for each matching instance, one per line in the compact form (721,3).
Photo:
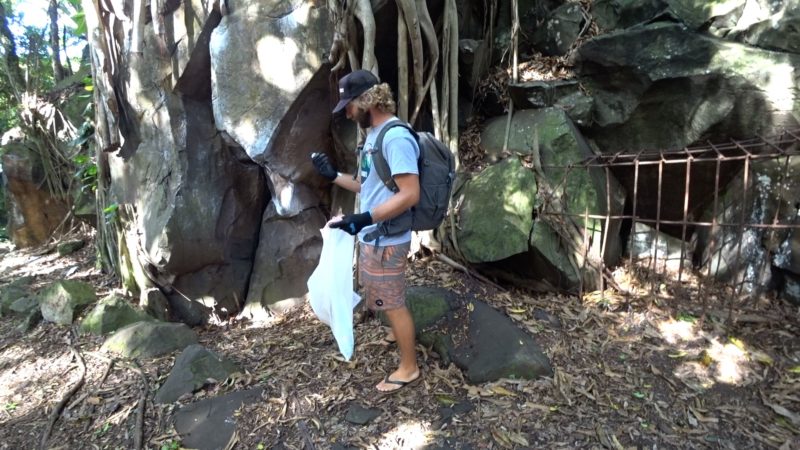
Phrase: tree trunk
(12,69)
(55,41)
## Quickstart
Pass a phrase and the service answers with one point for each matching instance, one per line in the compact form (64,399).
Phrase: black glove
(353,223)
(324,166)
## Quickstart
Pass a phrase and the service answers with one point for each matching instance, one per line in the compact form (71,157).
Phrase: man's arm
(346,181)
(405,198)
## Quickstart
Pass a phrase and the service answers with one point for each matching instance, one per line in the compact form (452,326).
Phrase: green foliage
(170,445)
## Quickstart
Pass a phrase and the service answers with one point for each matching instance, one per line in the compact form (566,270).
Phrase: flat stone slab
(496,348)
(209,424)
(192,368)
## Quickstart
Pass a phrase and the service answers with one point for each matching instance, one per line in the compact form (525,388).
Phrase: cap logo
(341,90)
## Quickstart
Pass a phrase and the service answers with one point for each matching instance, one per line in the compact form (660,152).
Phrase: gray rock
(747,256)
(698,13)
(12,292)
(149,339)
(62,301)
(561,29)
(287,254)
(496,348)
(195,201)
(791,289)
(110,314)
(544,316)
(210,424)
(781,32)
(615,14)
(24,306)
(646,243)
(65,248)
(703,86)
(360,415)
(192,369)
(155,303)
(540,94)
(29,321)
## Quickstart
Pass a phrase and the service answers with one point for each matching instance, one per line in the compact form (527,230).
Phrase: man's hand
(353,223)
(323,165)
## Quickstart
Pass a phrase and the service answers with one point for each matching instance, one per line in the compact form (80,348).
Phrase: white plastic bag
(330,288)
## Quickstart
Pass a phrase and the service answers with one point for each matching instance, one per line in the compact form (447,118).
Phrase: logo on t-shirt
(366,164)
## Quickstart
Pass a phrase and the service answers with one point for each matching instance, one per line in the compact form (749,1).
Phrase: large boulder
(149,339)
(192,370)
(193,234)
(110,314)
(189,203)
(33,212)
(560,146)
(62,301)
(702,86)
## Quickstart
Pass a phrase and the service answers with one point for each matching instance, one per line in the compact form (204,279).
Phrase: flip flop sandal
(401,384)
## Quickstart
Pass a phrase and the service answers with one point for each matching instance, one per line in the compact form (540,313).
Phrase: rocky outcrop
(507,194)
(702,86)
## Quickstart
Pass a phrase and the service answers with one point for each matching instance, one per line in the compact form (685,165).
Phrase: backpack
(437,173)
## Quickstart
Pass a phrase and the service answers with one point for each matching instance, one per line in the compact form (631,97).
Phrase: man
(382,261)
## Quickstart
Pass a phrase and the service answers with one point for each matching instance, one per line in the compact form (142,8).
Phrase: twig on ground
(60,406)
(138,433)
(458,266)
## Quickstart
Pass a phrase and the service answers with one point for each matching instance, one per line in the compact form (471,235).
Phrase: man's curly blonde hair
(378,96)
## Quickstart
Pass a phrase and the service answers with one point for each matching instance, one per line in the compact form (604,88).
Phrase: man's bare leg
(403,328)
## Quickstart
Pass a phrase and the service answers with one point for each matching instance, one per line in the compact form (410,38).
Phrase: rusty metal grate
(708,200)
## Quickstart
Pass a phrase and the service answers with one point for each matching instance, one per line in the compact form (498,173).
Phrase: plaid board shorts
(382,274)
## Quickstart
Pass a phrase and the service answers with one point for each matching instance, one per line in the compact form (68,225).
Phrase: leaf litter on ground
(627,373)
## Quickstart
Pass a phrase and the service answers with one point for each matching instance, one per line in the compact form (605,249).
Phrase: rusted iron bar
(679,222)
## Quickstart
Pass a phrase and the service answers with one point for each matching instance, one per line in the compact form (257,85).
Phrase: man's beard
(363,118)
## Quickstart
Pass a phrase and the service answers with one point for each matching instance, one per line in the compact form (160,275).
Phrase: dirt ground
(641,370)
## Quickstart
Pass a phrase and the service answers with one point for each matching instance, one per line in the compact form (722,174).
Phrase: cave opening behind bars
(720,219)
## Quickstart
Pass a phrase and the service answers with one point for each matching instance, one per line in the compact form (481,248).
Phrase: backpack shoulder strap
(379,160)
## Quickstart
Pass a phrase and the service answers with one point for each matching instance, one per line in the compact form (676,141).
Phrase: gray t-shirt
(401,152)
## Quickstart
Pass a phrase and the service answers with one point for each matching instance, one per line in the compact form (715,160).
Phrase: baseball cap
(352,85)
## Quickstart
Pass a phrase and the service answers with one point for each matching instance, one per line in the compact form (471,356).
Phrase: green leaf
(639,395)
(686,317)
